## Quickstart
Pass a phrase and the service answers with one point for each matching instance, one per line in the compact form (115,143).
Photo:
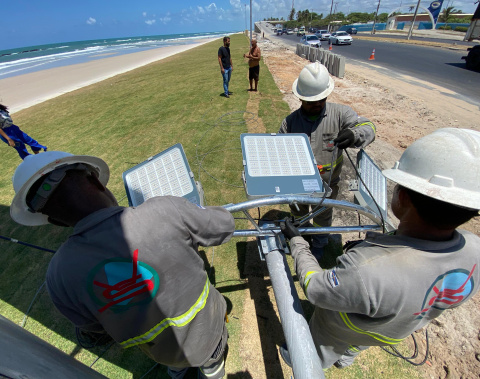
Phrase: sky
(34,22)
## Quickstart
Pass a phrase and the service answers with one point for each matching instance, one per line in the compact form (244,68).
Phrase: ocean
(24,60)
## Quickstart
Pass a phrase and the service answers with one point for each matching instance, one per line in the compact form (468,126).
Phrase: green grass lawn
(124,120)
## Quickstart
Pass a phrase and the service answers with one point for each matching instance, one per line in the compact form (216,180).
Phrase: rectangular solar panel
(375,182)
(166,173)
(279,164)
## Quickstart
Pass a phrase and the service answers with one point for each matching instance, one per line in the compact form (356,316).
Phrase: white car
(310,40)
(340,38)
(323,35)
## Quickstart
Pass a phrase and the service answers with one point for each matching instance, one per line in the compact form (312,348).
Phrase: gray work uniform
(136,274)
(384,288)
(321,133)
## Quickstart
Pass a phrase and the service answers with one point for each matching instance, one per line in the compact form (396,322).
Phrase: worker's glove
(345,139)
(288,229)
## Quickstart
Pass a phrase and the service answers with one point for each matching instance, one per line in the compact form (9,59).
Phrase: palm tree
(447,13)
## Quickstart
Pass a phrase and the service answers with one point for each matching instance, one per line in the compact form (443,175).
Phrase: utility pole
(251,33)
(375,19)
(413,21)
(246,27)
(329,16)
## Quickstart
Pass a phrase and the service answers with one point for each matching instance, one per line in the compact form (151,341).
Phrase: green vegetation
(124,120)
(317,20)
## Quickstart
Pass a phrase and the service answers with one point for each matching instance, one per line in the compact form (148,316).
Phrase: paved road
(441,67)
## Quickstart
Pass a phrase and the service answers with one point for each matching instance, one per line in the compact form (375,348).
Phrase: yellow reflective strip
(178,321)
(353,348)
(368,123)
(378,337)
(306,281)
(337,161)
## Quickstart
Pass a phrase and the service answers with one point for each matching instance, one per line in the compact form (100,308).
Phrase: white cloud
(91,21)
(150,22)
(201,10)
(144,14)
(212,7)
(165,19)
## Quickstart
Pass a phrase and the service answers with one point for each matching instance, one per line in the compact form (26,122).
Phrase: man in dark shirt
(226,65)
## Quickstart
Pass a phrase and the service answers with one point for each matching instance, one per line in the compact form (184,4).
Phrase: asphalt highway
(439,66)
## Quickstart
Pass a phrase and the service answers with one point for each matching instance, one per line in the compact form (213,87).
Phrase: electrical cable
(305,219)
(368,190)
(220,124)
(27,244)
(397,354)
(103,352)
(148,372)
(31,304)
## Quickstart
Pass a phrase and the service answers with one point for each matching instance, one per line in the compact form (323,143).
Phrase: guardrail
(334,63)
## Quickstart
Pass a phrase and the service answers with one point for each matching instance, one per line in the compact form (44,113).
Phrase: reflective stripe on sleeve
(377,336)
(369,124)
(306,281)
(327,167)
(178,321)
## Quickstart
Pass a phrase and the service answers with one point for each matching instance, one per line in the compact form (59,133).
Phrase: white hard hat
(33,168)
(444,165)
(314,83)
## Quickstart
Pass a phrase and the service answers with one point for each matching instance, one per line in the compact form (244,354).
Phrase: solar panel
(375,182)
(279,164)
(166,173)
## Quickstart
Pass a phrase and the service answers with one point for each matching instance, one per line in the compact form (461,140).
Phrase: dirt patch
(403,109)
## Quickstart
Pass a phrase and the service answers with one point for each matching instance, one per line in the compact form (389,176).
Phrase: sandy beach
(23,91)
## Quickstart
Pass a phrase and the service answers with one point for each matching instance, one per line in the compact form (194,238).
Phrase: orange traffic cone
(372,57)
(330,46)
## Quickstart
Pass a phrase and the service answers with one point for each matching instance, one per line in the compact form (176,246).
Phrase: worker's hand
(345,139)
(289,230)
(222,70)
(11,142)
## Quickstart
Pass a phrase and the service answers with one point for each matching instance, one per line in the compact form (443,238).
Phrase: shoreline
(23,91)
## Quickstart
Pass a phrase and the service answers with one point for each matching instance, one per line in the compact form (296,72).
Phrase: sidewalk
(428,33)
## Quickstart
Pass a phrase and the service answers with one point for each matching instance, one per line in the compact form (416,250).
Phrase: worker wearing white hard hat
(133,274)
(389,285)
(330,128)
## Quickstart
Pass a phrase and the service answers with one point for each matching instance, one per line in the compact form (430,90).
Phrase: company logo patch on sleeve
(332,278)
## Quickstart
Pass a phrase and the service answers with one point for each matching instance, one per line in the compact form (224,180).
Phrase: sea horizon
(23,60)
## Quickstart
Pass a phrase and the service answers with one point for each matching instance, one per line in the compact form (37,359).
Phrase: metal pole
(413,21)
(329,16)
(309,230)
(375,19)
(303,354)
(251,33)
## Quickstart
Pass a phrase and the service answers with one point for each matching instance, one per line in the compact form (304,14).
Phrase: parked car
(310,40)
(340,38)
(289,32)
(301,32)
(323,35)
(352,30)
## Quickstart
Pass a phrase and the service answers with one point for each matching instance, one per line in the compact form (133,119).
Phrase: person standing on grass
(14,137)
(226,64)
(386,287)
(133,274)
(254,57)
